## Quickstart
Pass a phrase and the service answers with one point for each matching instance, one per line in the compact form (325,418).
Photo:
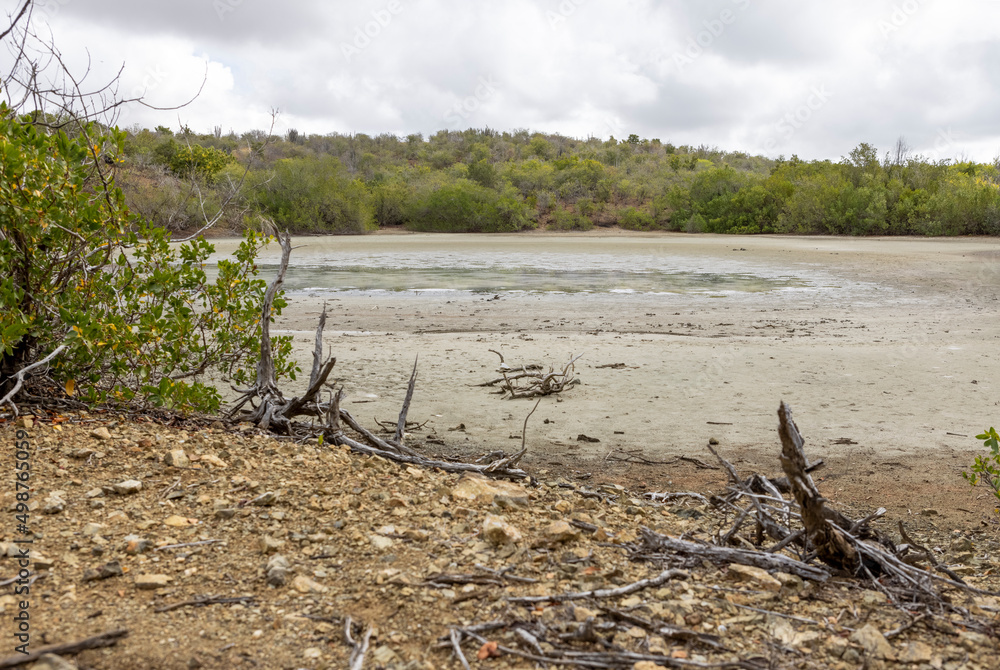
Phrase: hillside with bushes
(481,180)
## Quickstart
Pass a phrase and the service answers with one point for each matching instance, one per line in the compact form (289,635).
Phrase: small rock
(961,545)
(101,433)
(214,461)
(872,640)
(312,653)
(916,652)
(52,662)
(151,582)
(303,584)
(265,499)
(54,504)
(713,441)
(95,493)
(381,542)
(176,521)
(476,487)
(648,665)
(92,529)
(269,545)
(135,545)
(38,562)
(757,577)
(581,614)
(928,512)
(226,513)
(497,531)
(106,571)
(177,458)
(383,655)
(128,487)
(560,531)
(277,570)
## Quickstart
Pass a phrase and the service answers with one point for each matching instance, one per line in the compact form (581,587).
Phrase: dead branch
(655,546)
(529,382)
(358,649)
(108,639)
(19,377)
(664,576)
(204,601)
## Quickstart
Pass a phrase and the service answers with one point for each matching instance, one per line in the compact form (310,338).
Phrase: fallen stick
(203,601)
(654,544)
(358,649)
(664,576)
(108,639)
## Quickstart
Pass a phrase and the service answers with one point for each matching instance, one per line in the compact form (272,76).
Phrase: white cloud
(733,73)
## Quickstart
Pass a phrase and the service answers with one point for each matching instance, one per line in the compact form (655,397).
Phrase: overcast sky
(764,76)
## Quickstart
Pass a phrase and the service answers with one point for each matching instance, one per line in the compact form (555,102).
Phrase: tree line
(482,180)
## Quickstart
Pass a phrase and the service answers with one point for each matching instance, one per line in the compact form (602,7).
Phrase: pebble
(127,487)
(757,577)
(101,433)
(106,571)
(872,640)
(265,499)
(54,504)
(52,662)
(151,582)
(560,531)
(277,570)
(478,488)
(497,531)
(269,545)
(135,545)
(177,458)
(916,652)
(176,521)
(92,529)
(303,584)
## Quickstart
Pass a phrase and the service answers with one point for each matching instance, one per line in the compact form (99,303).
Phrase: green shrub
(987,470)
(466,207)
(634,219)
(139,319)
(317,195)
(564,219)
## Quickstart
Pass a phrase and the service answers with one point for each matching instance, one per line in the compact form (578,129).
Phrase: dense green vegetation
(487,181)
(134,319)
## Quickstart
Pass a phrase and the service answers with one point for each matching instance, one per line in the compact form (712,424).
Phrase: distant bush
(466,207)
(317,195)
(564,219)
(634,219)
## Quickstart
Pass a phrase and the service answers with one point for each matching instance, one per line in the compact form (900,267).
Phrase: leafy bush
(634,219)
(564,219)
(987,470)
(466,207)
(317,195)
(139,318)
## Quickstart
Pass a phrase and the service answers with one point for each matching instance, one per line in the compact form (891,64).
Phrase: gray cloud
(739,74)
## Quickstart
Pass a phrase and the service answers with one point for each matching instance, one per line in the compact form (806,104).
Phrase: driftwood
(528,381)
(655,546)
(270,410)
(108,639)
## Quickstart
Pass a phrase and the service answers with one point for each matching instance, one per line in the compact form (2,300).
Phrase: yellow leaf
(70,386)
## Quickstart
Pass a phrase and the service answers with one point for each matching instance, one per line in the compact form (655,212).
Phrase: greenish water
(442,263)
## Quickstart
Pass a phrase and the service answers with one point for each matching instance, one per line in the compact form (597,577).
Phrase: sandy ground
(890,378)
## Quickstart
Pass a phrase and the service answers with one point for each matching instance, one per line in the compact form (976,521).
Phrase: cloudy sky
(764,76)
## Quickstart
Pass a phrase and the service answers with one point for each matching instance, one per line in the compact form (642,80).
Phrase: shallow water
(451,263)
